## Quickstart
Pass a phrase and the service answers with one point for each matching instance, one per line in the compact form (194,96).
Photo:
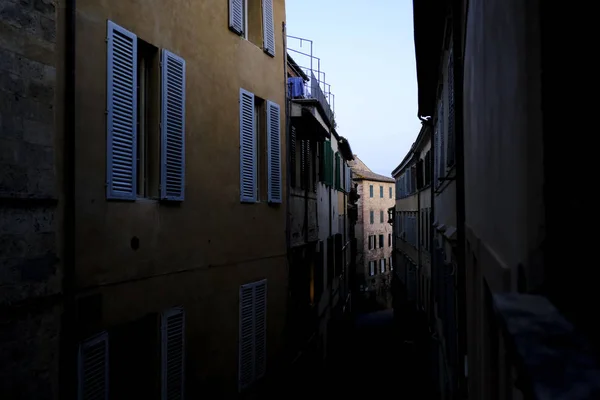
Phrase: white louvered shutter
(92,374)
(247,148)
(274,152)
(268,28)
(246,337)
(172,166)
(236,16)
(260,327)
(172,354)
(121,122)
(253,331)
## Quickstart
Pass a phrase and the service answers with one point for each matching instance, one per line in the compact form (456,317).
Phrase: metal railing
(316,87)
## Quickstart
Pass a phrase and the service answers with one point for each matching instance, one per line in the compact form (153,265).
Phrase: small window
(253,21)
(371,190)
(390,192)
(260,134)
(148,115)
(372,216)
(381,192)
(380,241)
(381,216)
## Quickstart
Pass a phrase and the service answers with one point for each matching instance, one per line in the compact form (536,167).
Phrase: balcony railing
(316,87)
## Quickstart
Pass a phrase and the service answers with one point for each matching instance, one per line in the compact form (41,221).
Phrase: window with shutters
(148,120)
(173,354)
(92,368)
(260,136)
(145,119)
(252,333)
(254,21)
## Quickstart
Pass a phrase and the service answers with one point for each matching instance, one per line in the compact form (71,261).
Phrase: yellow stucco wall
(211,240)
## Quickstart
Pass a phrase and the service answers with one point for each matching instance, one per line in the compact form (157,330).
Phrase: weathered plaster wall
(30,194)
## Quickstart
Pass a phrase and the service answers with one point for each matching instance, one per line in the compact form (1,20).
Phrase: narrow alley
(371,359)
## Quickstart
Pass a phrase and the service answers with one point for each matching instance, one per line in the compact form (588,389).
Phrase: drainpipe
(68,336)
(457,36)
(287,141)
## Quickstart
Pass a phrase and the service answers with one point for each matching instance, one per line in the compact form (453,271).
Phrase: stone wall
(30,279)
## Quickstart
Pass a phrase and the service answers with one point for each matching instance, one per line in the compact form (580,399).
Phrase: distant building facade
(319,222)
(373,232)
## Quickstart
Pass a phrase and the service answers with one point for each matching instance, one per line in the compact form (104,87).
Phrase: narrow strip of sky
(367,52)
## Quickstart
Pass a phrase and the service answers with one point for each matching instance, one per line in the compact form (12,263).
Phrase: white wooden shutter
(247,148)
(260,327)
(246,337)
(274,152)
(172,354)
(268,28)
(121,121)
(252,336)
(172,167)
(236,16)
(92,368)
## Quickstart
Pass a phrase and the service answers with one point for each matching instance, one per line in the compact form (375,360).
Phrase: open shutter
(172,354)
(172,167)
(274,152)
(268,28)
(93,368)
(247,148)
(236,16)
(121,122)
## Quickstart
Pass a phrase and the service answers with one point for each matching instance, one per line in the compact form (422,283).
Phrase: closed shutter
(173,354)
(236,16)
(121,122)
(442,148)
(302,164)
(252,336)
(172,127)
(450,160)
(293,156)
(274,152)
(268,28)
(260,327)
(247,148)
(92,374)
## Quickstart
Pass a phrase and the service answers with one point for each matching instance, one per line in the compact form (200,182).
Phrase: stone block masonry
(30,273)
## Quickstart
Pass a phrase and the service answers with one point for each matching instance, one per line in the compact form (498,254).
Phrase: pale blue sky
(367,51)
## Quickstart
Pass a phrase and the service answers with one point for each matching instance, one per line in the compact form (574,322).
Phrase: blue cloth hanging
(295,87)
